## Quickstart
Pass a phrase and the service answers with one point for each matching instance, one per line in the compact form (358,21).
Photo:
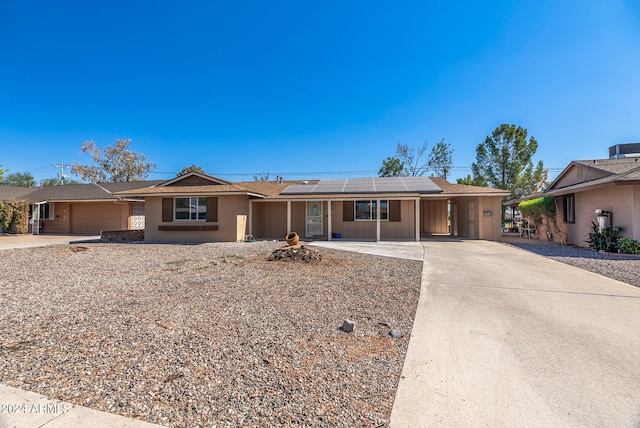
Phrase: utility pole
(61,174)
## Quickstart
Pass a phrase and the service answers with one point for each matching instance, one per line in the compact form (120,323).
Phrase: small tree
(2,172)
(391,167)
(441,159)
(20,179)
(192,168)
(264,176)
(114,164)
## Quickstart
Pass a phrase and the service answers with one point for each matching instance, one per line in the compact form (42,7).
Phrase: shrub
(605,239)
(628,245)
(14,216)
(537,209)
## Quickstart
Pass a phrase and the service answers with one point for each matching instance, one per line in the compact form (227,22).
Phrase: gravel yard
(199,335)
(623,268)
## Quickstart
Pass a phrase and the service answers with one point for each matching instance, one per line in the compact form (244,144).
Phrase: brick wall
(122,235)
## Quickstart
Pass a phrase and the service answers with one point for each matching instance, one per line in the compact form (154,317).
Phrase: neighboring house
(611,185)
(82,208)
(200,208)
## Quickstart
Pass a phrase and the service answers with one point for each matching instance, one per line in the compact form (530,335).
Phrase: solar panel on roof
(366,185)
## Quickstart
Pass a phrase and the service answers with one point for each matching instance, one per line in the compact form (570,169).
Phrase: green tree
(504,160)
(56,181)
(391,167)
(21,179)
(440,159)
(114,164)
(192,168)
(2,171)
(471,181)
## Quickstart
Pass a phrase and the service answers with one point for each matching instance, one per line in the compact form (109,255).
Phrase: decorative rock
(396,334)
(348,326)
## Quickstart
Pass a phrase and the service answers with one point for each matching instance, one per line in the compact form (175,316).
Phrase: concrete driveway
(503,338)
(9,242)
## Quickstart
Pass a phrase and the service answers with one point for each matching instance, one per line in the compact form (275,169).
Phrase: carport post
(250,220)
(288,216)
(378,220)
(329,219)
(417,219)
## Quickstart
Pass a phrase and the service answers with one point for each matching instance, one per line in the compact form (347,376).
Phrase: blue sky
(327,89)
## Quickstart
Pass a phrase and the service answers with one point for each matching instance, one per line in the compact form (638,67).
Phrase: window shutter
(167,210)
(212,210)
(347,210)
(394,210)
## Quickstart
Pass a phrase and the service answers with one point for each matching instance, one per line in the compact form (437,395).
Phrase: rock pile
(298,253)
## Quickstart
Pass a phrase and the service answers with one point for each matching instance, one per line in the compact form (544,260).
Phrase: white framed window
(367,210)
(45,211)
(190,208)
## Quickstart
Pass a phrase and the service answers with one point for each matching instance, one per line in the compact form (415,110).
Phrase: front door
(314,219)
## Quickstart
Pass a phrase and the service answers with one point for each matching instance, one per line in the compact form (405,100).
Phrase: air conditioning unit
(629,150)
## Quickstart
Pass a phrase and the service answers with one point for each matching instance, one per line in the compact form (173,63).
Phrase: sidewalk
(410,250)
(24,409)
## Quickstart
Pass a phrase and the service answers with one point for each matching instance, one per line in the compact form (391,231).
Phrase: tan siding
(60,222)
(405,229)
(270,220)
(433,215)
(229,208)
(94,217)
(298,217)
(490,225)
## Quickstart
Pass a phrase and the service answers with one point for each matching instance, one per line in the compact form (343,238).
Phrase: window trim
(569,210)
(384,210)
(175,218)
(41,210)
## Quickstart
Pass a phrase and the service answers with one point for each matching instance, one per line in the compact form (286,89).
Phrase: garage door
(94,217)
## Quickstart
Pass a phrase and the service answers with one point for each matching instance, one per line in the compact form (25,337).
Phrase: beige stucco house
(81,208)
(609,185)
(200,208)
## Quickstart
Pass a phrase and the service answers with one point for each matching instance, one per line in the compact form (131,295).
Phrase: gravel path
(620,267)
(199,335)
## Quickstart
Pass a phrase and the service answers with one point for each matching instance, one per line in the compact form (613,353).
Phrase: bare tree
(410,156)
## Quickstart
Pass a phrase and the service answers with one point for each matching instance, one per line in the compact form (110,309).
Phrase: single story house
(200,208)
(609,185)
(82,208)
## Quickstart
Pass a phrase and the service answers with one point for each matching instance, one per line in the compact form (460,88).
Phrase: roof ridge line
(111,193)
